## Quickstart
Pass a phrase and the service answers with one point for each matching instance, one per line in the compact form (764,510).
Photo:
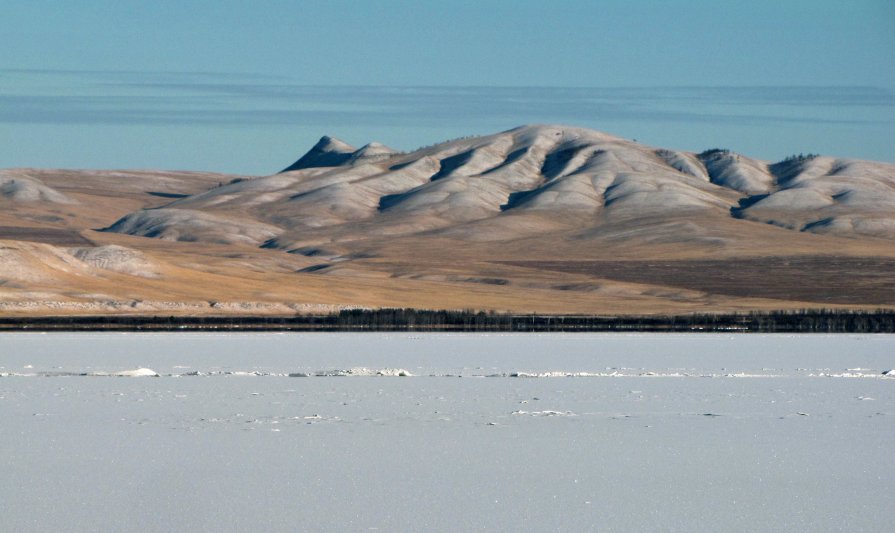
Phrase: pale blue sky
(248,86)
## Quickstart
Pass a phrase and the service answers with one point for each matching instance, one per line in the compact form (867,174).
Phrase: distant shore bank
(803,321)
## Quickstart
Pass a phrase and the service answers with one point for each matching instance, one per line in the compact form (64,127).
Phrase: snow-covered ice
(563,432)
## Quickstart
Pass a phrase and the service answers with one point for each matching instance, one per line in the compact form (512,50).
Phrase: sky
(242,87)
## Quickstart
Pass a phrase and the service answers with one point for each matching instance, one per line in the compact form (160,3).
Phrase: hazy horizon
(233,88)
(242,124)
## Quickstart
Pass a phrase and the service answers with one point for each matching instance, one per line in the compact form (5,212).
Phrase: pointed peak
(332,144)
(328,152)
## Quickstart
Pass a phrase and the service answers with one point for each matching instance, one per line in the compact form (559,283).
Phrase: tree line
(408,319)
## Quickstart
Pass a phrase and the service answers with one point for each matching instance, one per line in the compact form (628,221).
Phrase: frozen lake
(571,432)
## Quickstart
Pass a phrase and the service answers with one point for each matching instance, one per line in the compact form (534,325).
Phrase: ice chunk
(363,371)
(136,373)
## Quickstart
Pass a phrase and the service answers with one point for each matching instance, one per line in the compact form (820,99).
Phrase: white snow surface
(572,432)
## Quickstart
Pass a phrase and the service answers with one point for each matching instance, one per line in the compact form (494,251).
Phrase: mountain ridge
(546,167)
(537,218)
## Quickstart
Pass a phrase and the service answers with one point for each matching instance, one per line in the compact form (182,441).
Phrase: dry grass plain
(821,279)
